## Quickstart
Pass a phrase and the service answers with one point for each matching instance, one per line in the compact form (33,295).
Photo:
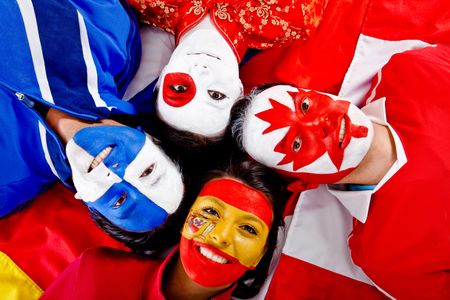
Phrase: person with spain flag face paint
(225,233)
(226,246)
(311,136)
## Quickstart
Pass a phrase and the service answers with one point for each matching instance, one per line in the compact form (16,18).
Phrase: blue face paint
(126,143)
(119,172)
(135,213)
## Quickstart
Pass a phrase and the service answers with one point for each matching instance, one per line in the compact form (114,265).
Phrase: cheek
(250,252)
(196,227)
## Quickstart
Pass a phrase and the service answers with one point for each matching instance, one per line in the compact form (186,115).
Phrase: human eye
(296,144)
(178,88)
(249,228)
(121,200)
(211,211)
(215,95)
(306,103)
(148,171)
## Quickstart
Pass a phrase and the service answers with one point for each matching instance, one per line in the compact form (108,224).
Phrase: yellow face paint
(235,232)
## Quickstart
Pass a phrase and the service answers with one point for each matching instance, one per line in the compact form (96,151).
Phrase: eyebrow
(215,200)
(255,219)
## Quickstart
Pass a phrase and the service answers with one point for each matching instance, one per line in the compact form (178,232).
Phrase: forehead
(240,196)
(279,93)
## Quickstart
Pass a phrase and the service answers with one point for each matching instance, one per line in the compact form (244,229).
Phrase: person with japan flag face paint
(201,81)
(227,239)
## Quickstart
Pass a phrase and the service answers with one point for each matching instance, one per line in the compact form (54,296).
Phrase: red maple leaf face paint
(178,89)
(311,132)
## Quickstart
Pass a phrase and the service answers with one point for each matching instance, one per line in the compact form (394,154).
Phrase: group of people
(193,166)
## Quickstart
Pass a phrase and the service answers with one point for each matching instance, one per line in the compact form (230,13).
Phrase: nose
(221,236)
(325,124)
(118,168)
(199,69)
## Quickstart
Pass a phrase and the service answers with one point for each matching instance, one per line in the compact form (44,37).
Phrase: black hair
(196,154)
(268,182)
(156,241)
(153,242)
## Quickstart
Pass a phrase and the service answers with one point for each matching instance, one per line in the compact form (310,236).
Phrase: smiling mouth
(207,54)
(342,132)
(211,256)
(99,158)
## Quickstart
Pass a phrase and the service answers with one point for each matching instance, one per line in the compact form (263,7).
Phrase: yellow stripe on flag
(15,283)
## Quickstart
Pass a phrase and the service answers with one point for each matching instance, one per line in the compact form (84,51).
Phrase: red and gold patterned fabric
(245,24)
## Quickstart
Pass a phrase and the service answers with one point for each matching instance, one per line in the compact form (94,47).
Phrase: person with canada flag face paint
(227,239)
(201,81)
(386,163)
(312,136)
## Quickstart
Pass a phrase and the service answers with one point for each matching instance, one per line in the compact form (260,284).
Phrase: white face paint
(151,172)
(201,101)
(163,182)
(305,132)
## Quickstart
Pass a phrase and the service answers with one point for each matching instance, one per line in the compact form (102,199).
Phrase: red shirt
(244,24)
(106,273)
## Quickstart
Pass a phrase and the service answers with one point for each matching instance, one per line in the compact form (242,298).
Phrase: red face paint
(206,272)
(314,128)
(178,89)
(240,196)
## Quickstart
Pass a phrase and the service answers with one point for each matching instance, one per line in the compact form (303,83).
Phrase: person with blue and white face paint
(64,71)
(121,173)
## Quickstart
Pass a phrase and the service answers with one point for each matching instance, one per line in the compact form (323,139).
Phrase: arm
(66,125)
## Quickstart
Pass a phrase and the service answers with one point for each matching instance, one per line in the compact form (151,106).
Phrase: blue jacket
(74,55)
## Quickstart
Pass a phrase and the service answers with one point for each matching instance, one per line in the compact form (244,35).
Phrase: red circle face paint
(178,89)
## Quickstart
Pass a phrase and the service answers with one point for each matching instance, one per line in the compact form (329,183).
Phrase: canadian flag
(353,42)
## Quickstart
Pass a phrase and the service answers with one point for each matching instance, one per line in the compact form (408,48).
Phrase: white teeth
(99,158)
(342,131)
(215,258)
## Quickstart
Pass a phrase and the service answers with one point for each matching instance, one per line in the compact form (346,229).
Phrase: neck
(66,126)
(180,286)
(378,160)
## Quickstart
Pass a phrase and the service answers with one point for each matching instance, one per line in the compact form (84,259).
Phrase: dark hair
(153,242)
(267,181)
(195,153)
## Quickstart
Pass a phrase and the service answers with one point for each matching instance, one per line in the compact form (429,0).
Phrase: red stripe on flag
(49,233)
(296,279)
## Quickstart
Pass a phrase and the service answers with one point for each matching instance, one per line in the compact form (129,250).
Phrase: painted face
(310,135)
(225,233)
(121,173)
(199,85)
